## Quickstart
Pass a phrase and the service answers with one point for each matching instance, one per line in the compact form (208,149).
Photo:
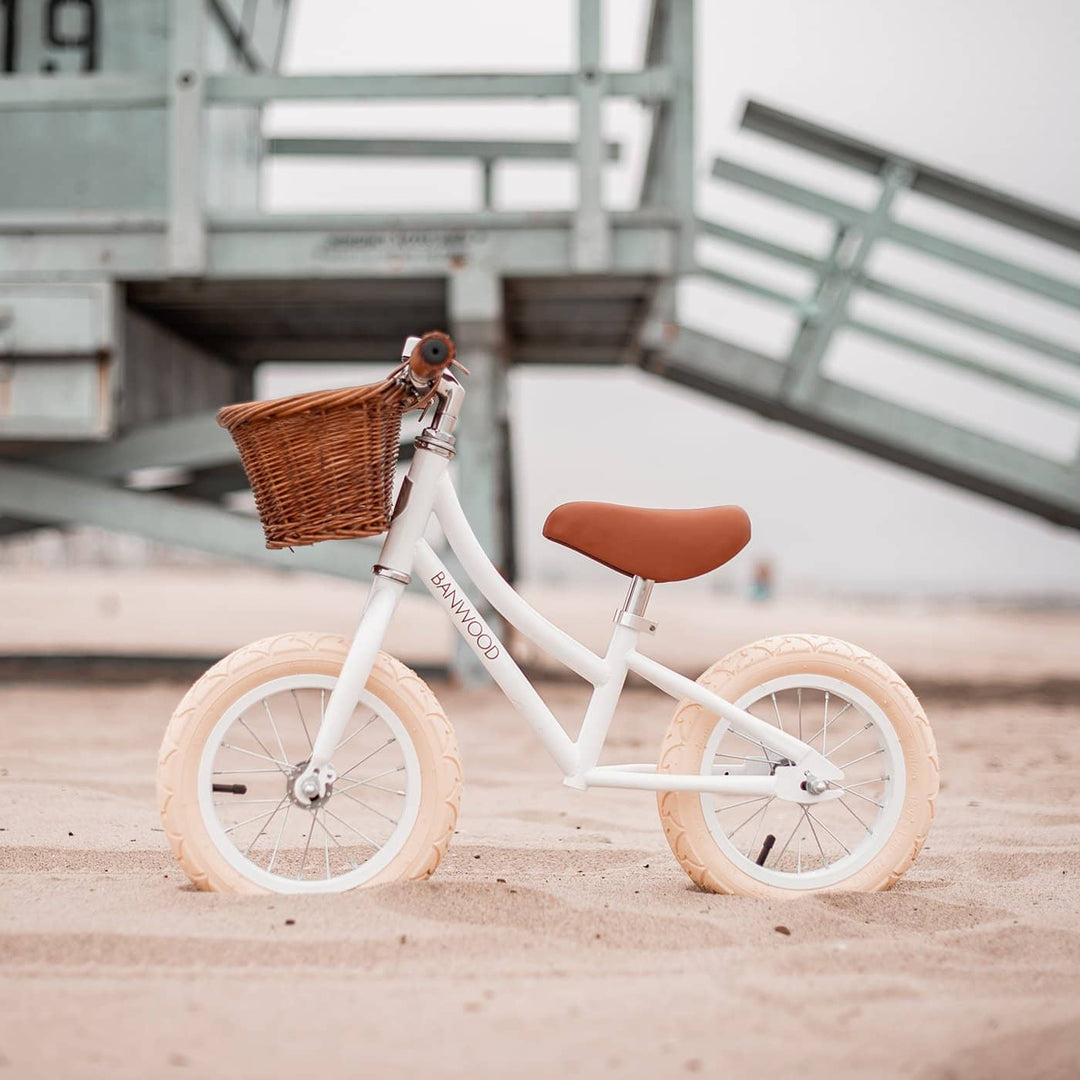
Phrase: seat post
(632,613)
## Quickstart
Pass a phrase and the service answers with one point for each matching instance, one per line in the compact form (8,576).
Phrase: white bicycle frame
(428,490)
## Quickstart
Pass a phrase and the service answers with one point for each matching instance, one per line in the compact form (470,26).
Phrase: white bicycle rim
(877,831)
(386,852)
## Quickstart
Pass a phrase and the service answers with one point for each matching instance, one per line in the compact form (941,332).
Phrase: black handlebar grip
(434,351)
(432,355)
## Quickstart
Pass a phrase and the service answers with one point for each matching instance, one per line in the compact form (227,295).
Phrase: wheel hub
(306,795)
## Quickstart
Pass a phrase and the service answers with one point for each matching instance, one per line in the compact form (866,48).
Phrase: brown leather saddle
(662,545)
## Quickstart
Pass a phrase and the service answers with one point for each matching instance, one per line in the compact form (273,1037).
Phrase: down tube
(495,658)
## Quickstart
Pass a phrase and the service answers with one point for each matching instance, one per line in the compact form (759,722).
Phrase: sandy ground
(559,937)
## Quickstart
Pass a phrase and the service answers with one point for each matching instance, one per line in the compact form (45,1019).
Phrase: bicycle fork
(381,604)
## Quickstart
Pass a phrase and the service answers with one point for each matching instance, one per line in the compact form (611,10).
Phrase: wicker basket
(321,465)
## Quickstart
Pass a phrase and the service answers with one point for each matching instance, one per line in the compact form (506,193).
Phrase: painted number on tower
(68,41)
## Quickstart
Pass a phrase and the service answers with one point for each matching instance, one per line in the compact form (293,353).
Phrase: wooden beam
(46,495)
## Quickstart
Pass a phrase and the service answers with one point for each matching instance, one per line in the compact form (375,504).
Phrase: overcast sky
(987,88)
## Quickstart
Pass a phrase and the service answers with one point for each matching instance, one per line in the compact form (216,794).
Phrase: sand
(559,937)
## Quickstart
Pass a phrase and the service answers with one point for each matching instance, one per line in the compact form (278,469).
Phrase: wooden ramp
(1021,342)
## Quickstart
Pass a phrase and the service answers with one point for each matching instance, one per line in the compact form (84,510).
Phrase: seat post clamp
(634,622)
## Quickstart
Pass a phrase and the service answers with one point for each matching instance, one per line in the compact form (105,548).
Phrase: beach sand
(559,937)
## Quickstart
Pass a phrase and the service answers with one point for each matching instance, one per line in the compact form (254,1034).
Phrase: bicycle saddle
(662,545)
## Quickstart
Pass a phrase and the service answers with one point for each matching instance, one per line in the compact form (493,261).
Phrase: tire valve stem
(230,789)
(765,849)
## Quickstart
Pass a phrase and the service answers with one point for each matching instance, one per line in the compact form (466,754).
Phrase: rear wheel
(852,708)
(244,733)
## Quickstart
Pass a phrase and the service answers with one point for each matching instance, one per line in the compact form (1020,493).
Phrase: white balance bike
(308,763)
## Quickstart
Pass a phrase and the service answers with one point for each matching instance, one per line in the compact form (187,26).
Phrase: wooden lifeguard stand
(141,283)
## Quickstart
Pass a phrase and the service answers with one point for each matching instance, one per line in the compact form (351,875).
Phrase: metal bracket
(634,622)
(437,442)
(387,572)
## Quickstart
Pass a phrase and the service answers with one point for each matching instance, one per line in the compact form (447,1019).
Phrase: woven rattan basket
(321,465)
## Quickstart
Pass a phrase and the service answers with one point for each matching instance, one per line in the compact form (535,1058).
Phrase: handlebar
(431,356)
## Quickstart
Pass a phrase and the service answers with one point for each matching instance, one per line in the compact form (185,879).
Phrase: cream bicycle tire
(317,658)
(784,661)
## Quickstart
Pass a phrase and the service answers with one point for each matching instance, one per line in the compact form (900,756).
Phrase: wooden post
(187,229)
(482,461)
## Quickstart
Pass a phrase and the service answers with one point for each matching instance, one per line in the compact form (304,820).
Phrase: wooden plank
(929,180)
(481,149)
(881,428)
(38,494)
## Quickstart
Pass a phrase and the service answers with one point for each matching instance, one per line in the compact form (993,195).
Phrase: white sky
(987,88)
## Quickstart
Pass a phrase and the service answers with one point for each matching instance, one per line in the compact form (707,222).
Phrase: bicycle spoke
(861,783)
(799,694)
(248,821)
(367,757)
(745,802)
(322,826)
(847,706)
(865,798)
(303,722)
(326,850)
(303,861)
(810,822)
(277,734)
(277,842)
(368,806)
(798,858)
(350,738)
(818,821)
(367,839)
(866,727)
(768,753)
(843,803)
(776,709)
(757,831)
(251,753)
(378,776)
(847,765)
(266,824)
(265,749)
(787,843)
(825,725)
(243,772)
(735,757)
(760,809)
(374,787)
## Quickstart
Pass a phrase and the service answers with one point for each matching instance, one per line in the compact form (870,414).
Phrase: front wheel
(858,713)
(244,733)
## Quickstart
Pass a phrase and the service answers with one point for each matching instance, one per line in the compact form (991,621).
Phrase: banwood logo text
(474,625)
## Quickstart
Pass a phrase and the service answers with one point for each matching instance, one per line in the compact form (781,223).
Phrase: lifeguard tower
(141,282)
